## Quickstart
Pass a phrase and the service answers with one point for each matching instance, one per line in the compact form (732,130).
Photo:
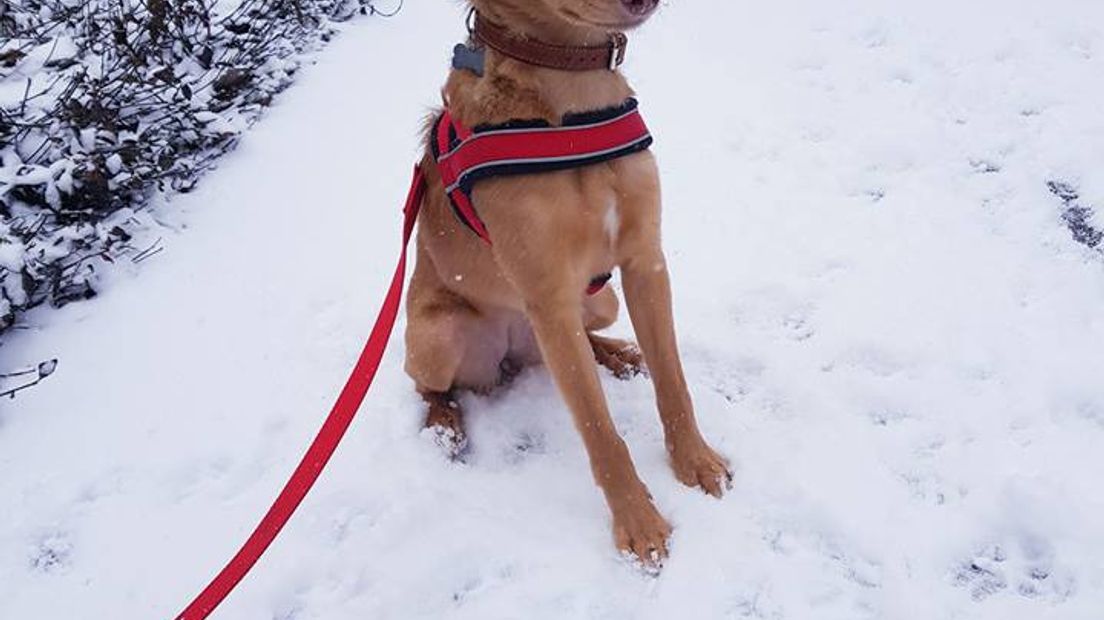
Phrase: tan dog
(476,312)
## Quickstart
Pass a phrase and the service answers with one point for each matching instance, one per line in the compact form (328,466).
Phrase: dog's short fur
(476,312)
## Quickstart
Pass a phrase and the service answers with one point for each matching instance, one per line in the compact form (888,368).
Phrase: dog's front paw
(698,465)
(639,530)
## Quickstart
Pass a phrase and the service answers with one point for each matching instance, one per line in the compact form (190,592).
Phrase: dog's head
(591,16)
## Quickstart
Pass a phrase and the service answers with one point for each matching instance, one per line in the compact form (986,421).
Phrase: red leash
(328,437)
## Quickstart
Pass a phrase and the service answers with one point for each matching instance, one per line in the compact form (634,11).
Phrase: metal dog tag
(468,58)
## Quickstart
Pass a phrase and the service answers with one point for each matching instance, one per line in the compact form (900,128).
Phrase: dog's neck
(511,89)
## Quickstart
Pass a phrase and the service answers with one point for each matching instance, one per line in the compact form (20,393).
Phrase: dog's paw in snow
(651,567)
(620,357)
(698,465)
(639,530)
(444,425)
(454,445)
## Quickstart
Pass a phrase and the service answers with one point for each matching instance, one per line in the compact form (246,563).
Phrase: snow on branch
(105,102)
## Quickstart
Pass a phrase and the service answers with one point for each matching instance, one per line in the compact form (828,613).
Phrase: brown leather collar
(563,57)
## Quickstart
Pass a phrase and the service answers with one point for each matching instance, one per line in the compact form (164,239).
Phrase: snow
(885,321)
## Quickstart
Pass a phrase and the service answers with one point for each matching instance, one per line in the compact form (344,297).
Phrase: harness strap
(465,156)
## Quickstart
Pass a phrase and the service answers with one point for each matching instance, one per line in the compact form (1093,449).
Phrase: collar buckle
(618,43)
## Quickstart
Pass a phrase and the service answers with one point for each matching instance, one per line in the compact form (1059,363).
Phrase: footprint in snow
(733,381)
(829,550)
(1077,215)
(984,166)
(1027,568)
(525,445)
(52,553)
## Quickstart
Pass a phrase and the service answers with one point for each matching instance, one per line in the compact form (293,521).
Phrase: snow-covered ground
(887,326)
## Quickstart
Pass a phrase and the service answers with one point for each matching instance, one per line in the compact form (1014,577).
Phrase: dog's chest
(535,150)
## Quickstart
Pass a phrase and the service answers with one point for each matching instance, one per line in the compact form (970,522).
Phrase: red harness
(524,147)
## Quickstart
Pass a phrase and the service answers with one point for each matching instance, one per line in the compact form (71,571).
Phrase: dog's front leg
(637,525)
(648,297)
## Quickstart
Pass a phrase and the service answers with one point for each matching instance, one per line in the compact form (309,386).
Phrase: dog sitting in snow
(478,311)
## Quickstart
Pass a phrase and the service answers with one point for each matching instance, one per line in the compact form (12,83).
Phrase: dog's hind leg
(445,419)
(620,357)
(450,346)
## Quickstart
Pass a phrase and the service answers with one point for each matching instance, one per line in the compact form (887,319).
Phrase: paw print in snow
(1027,569)
(52,553)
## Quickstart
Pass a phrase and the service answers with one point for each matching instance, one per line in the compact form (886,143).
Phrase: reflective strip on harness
(465,156)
